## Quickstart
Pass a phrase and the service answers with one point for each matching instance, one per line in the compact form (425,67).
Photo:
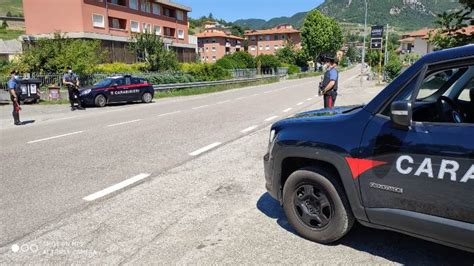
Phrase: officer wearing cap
(71,80)
(330,82)
(14,96)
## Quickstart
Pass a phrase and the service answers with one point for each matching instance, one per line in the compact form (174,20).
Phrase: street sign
(376,43)
(376,32)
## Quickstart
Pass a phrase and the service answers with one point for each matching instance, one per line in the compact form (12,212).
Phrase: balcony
(227,44)
(117,24)
(117,2)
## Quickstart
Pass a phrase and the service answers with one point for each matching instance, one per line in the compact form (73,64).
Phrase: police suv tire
(100,100)
(341,219)
(147,97)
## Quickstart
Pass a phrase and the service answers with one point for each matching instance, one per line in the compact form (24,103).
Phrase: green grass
(14,6)
(10,34)
(197,91)
(305,75)
(48,102)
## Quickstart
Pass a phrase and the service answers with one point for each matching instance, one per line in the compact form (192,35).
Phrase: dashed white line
(301,103)
(124,123)
(248,129)
(207,148)
(116,187)
(200,107)
(287,110)
(170,113)
(268,92)
(309,99)
(55,137)
(240,98)
(226,101)
(271,118)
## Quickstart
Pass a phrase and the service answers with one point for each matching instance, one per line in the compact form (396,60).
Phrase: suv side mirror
(401,113)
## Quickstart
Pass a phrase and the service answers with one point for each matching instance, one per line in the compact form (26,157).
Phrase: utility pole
(365,35)
(386,48)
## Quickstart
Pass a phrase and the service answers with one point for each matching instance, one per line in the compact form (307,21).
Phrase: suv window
(136,81)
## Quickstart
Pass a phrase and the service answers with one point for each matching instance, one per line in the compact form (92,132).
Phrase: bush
(292,69)
(393,67)
(268,61)
(170,78)
(206,72)
(238,60)
(113,68)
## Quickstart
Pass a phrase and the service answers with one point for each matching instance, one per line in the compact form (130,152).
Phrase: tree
(9,14)
(287,54)
(4,25)
(54,55)
(449,30)
(268,61)
(352,54)
(321,34)
(150,49)
(211,17)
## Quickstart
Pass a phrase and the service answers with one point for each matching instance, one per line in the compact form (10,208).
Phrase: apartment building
(111,21)
(269,41)
(213,44)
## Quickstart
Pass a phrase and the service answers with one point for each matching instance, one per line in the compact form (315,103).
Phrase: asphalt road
(176,181)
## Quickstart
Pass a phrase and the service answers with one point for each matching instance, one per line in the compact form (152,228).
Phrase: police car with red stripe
(117,89)
(403,162)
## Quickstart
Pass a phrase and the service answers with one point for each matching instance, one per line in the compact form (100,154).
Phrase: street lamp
(365,34)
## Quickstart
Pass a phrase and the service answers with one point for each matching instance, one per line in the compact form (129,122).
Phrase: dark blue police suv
(403,162)
(117,89)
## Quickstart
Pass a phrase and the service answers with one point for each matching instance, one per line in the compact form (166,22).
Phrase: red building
(269,41)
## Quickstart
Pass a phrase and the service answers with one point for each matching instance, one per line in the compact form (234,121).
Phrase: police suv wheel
(147,97)
(316,206)
(100,100)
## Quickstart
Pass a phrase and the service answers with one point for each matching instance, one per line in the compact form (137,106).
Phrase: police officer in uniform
(15,97)
(71,80)
(329,85)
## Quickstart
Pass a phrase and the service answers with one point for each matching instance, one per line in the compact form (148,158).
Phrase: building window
(253,38)
(267,47)
(253,48)
(276,47)
(117,2)
(179,15)
(146,6)
(207,49)
(213,40)
(214,58)
(276,37)
(181,34)
(117,23)
(283,37)
(133,4)
(260,38)
(157,30)
(156,9)
(146,28)
(268,37)
(98,21)
(260,47)
(213,49)
(134,26)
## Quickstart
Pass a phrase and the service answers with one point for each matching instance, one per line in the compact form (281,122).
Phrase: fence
(88,80)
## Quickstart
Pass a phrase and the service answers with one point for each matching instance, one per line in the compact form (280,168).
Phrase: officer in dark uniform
(328,87)
(71,80)
(15,97)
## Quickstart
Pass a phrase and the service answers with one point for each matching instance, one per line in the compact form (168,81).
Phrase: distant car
(117,89)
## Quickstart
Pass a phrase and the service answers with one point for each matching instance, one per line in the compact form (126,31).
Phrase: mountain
(404,14)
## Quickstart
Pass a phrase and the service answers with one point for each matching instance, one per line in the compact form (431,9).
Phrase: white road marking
(55,137)
(240,98)
(287,110)
(301,103)
(116,187)
(171,113)
(271,118)
(309,99)
(226,101)
(248,129)
(124,123)
(200,107)
(268,92)
(257,94)
(207,148)
(59,119)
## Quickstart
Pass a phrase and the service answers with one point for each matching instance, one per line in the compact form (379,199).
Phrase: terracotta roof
(217,34)
(271,31)
(420,33)
(469,30)
(407,40)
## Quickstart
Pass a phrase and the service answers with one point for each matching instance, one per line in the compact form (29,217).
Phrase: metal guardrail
(178,86)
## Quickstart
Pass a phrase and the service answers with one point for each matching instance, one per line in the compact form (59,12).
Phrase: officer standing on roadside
(330,83)
(15,97)
(71,80)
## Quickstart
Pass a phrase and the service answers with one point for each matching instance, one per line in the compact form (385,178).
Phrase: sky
(231,10)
